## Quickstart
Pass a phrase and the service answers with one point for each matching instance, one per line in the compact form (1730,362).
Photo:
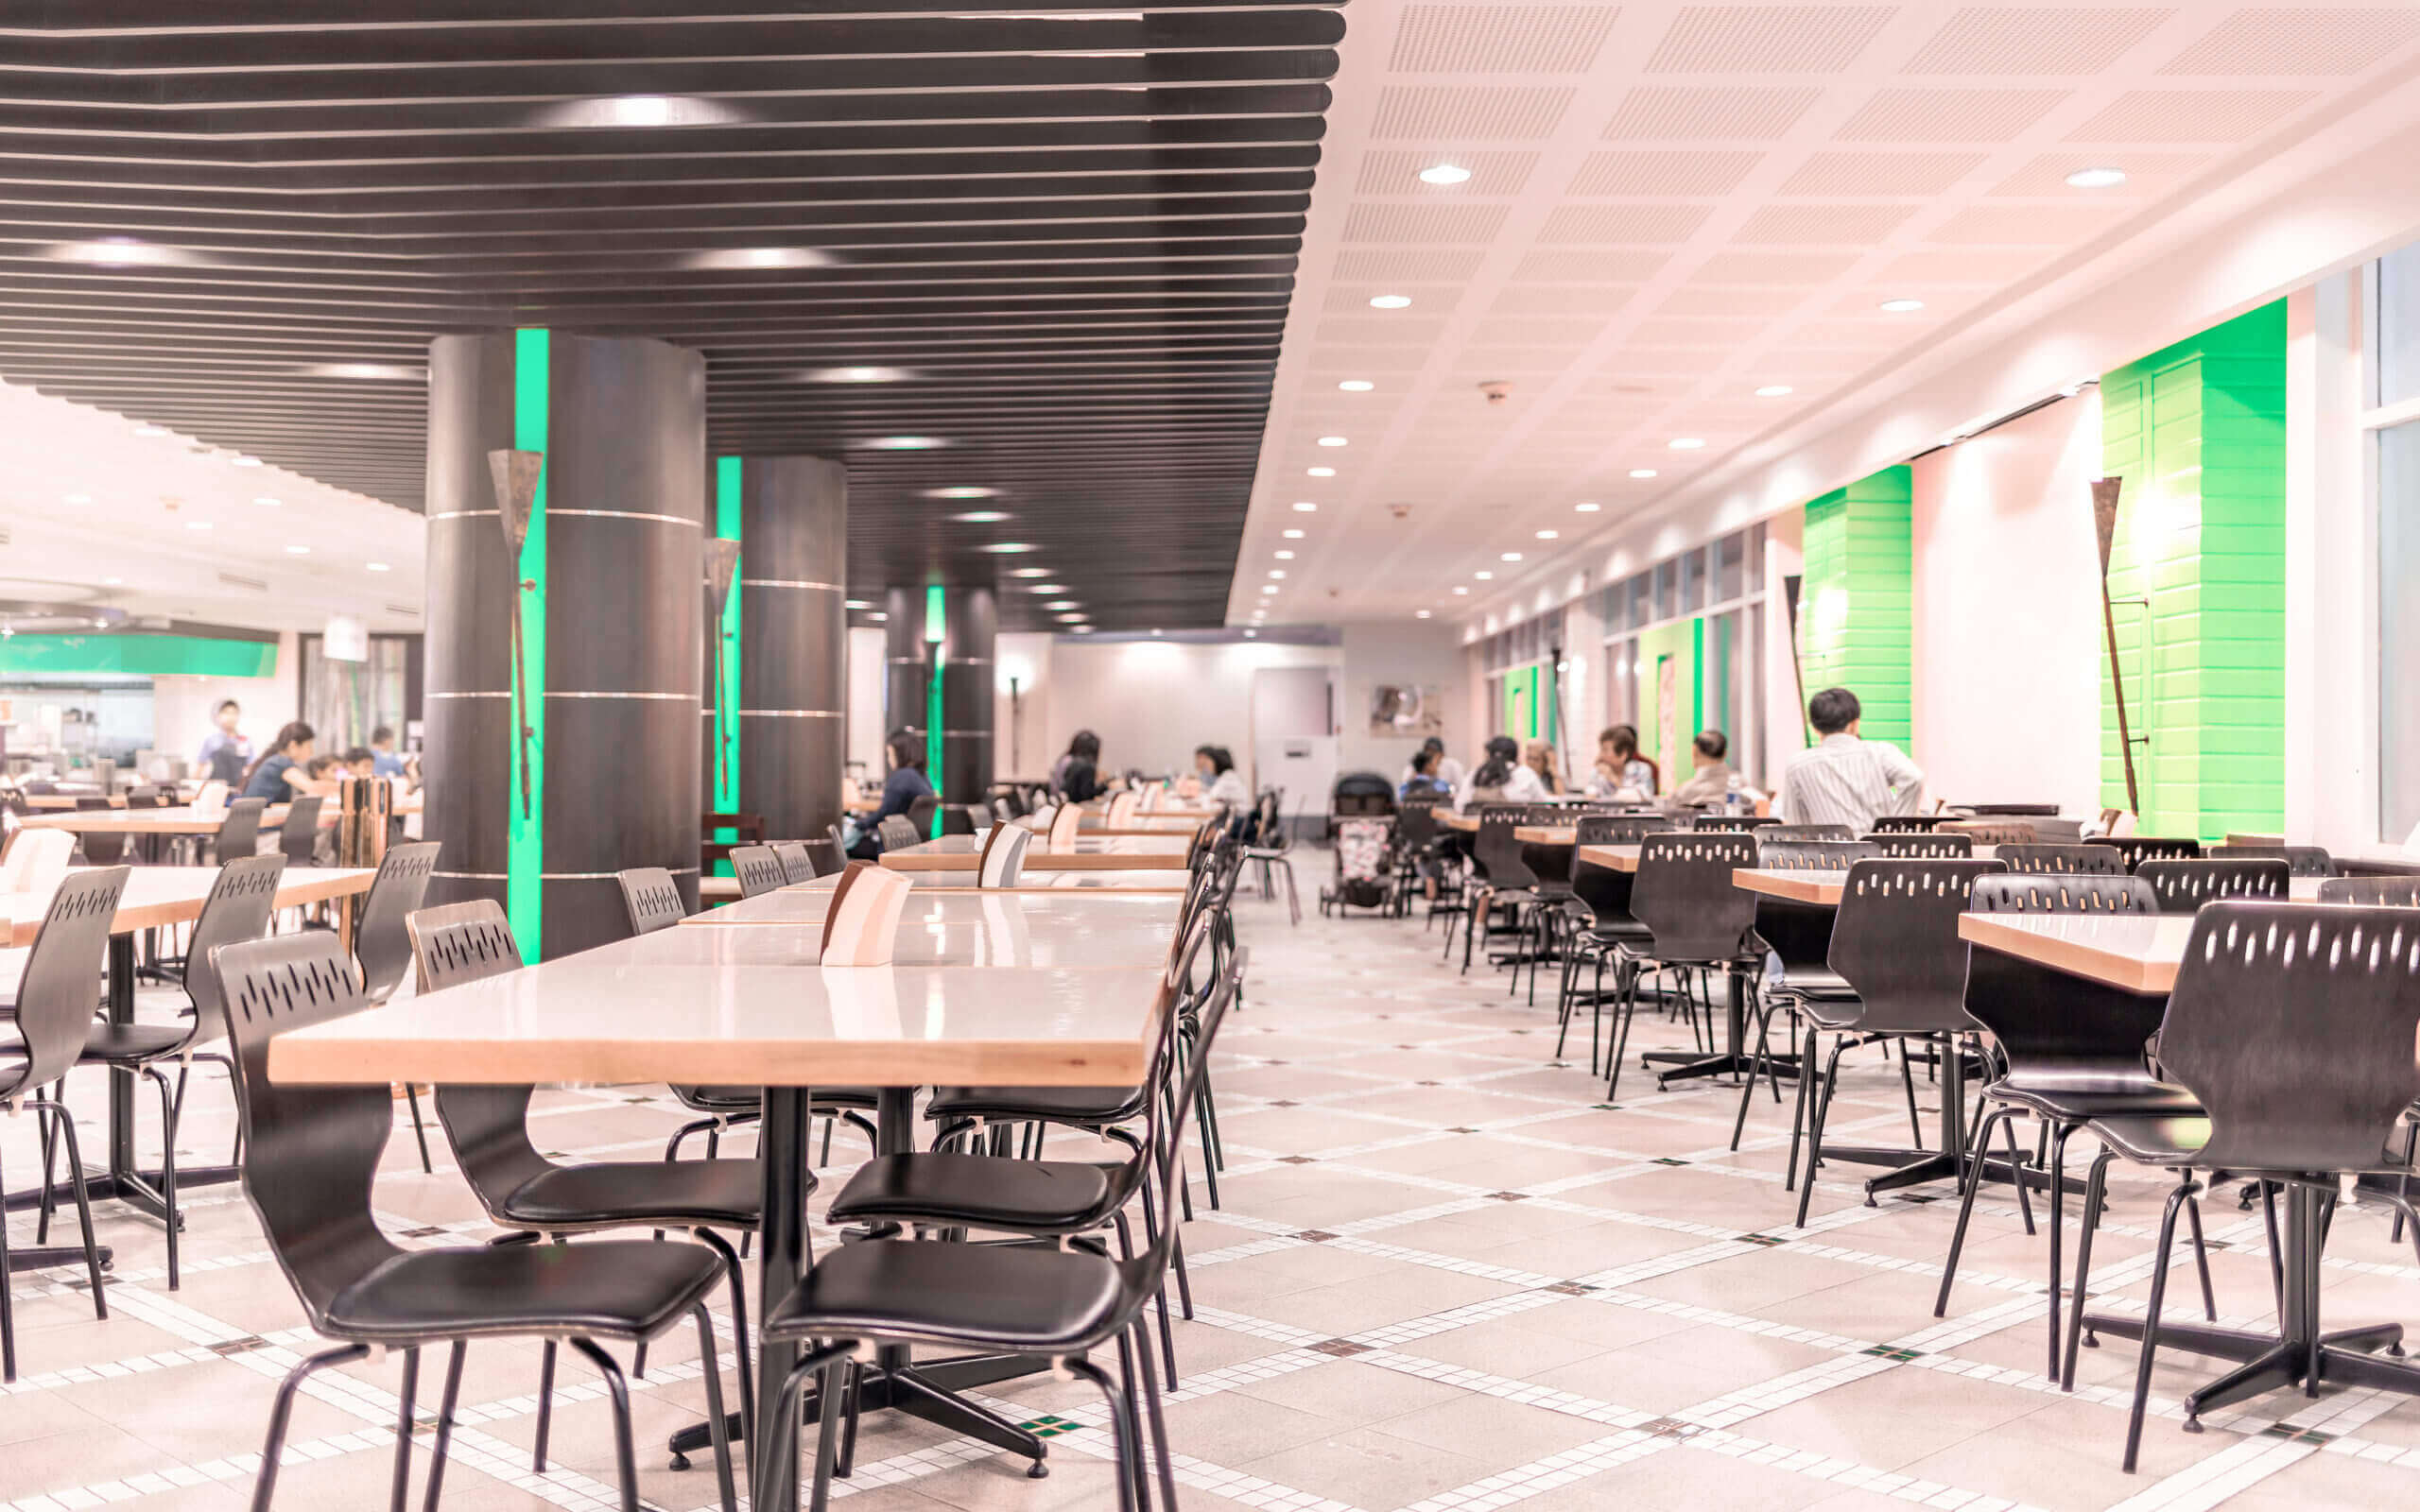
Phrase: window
(1718,589)
(344,701)
(1692,582)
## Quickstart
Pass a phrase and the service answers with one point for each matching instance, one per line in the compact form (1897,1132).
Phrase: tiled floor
(1447,1278)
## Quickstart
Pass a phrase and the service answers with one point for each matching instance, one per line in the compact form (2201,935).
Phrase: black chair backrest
(2385,892)
(1012,801)
(1417,821)
(1812,855)
(488,1126)
(2082,859)
(798,865)
(1733,823)
(898,833)
(86,802)
(300,830)
(1497,849)
(1922,844)
(310,1152)
(2185,886)
(1995,832)
(759,871)
(2292,1025)
(2302,860)
(1684,894)
(63,976)
(920,813)
(650,898)
(239,832)
(2137,848)
(958,818)
(41,789)
(1904,823)
(1618,829)
(380,941)
(2043,892)
(1805,831)
(1896,941)
(243,899)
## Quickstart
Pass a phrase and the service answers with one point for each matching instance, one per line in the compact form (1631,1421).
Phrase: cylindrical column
(607,597)
(971,626)
(793,644)
(904,660)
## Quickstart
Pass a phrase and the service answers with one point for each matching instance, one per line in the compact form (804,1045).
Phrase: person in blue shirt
(904,783)
(285,771)
(383,760)
(1424,781)
(225,752)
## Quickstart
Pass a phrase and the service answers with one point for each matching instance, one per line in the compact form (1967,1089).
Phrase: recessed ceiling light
(1046,588)
(123,251)
(639,109)
(1686,444)
(112,582)
(962,491)
(1009,548)
(1083,630)
(1251,635)
(377,567)
(1444,173)
(857,603)
(1642,471)
(1028,572)
(1483,576)
(982,517)
(1460,588)
(1586,506)
(1064,603)
(1277,572)
(196,524)
(1510,555)
(245,461)
(266,502)
(1390,302)
(374,372)
(1356,386)
(858,375)
(748,259)
(1334,440)
(2096,178)
(1269,588)
(1420,613)
(877,618)
(1285,555)
(1322,471)
(150,430)
(1306,507)
(1293,535)
(1901,306)
(75,498)
(903,443)
(1774,390)
(297,551)
(1549,534)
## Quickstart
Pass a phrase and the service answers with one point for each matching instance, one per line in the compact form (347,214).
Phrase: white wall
(183,708)
(1152,701)
(1021,727)
(2008,645)
(1414,653)
(865,700)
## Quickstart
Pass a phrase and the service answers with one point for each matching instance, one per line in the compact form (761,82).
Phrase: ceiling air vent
(258,585)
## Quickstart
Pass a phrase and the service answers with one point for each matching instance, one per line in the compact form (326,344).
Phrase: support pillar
(905,664)
(792,694)
(606,590)
(970,628)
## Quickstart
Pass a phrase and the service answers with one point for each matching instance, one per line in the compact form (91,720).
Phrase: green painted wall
(1670,650)
(135,654)
(1855,606)
(2197,431)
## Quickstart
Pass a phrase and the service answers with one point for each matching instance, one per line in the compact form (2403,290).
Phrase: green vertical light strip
(936,631)
(726,773)
(525,849)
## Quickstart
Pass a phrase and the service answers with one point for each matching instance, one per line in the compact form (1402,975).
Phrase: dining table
(1001,987)
(181,820)
(964,852)
(155,897)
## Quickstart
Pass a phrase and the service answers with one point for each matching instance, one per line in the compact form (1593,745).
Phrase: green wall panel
(135,654)
(1856,622)
(2197,431)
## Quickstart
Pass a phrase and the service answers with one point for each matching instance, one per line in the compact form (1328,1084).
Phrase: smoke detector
(1401,511)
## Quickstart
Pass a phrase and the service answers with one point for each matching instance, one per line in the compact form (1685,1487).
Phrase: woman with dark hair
(1503,778)
(284,770)
(1085,747)
(1221,781)
(905,782)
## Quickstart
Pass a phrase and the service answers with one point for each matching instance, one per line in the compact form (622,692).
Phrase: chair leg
(2201,1259)
(2095,1186)
(1802,1104)
(1128,1388)
(8,1314)
(282,1411)
(1815,1125)
(833,1359)
(1163,1456)
(170,1108)
(1908,1081)
(738,1331)
(718,1424)
(2016,1169)
(444,1440)
(49,1202)
(419,1130)
(1121,1425)
(1974,1179)
(405,1402)
(2151,1321)
(66,1126)
(2058,1224)
(1764,1029)
(1625,1008)
(618,1390)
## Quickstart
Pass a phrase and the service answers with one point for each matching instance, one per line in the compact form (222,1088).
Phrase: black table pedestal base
(929,1389)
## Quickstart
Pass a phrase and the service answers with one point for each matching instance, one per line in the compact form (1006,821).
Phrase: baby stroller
(1363,857)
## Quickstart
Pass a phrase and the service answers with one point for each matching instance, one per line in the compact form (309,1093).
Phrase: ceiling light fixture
(122,251)
(858,375)
(77,498)
(640,110)
(1483,576)
(1686,444)
(267,503)
(377,567)
(1901,306)
(1460,588)
(1284,555)
(982,517)
(1586,506)
(1642,471)
(1390,302)
(1334,440)
(755,259)
(1046,588)
(1306,507)
(1420,613)
(904,443)
(857,603)
(1356,386)
(1064,603)
(1774,390)
(1269,588)
(1009,548)
(1251,635)
(1510,555)
(1549,535)
(1444,173)
(1028,572)
(374,372)
(2101,178)
(1083,630)
(962,491)
(297,551)
(1277,572)
(1322,471)
(1294,535)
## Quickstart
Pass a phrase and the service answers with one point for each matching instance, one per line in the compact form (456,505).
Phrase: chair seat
(2073,1097)
(619,1289)
(1021,1196)
(2154,1139)
(623,1194)
(728,1100)
(1065,1105)
(126,1043)
(1003,1297)
(1814,982)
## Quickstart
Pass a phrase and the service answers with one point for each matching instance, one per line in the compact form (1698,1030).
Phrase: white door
(1294,734)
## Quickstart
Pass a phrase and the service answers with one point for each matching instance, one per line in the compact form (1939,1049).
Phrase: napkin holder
(1065,826)
(1003,859)
(861,925)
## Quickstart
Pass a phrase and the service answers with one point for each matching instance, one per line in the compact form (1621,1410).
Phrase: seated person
(1711,782)
(1221,781)
(1421,779)
(1622,771)
(1843,778)
(285,772)
(904,756)
(1502,778)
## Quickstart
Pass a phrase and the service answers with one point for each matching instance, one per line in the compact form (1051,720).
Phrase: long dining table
(964,852)
(155,897)
(1059,989)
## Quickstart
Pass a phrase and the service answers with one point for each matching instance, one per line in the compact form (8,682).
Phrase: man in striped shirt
(1842,779)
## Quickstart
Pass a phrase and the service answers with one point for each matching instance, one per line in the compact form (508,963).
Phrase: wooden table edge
(2113,968)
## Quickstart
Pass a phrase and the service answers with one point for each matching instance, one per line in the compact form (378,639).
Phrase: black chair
(1895,943)
(1604,894)
(298,836)
(759,869)
(1768,832)
(1905,823)
(1272,846)
(2301,860)
(2378,892)
(798,864)
(1734,823)
(1696,919)
(522,1189)
(1060,1303)
(2292,1026)
(310,1157)
(962,818)
(1797,940)
(1922,845)
(100,847)
(920,814)
(382,941)
(2070,859)
(1506,881)
(55,998)
(2073,1048)
(2137,848)
(899,831)
(242,897)
(2183,886)
(239,832)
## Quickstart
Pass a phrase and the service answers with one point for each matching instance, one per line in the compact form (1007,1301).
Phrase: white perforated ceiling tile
(1766,38)
(1979,266)
(2192,115)
(1501,39)
(1881,173)
(2030,40)
(1623,223)
(1427,299)
(1596,266)
(1415,224)
(2029,225)
(1511,361)
(1786,269)
(1339,360)
(1849,335)
(1750,305)
(1682,114)
(1380,331)
(1532,331)
(1398,172)
(1822,224)
(1991,115)
(1662,332)
(1554,299)
(1408,264)
(1662,173)
(2299,40)
(1449,112)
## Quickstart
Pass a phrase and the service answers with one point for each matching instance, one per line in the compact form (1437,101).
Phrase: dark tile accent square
(1341,1348)
(1316,1236)
(243,1345)
(1295,1160)
(1509,1197)
(1568,1289)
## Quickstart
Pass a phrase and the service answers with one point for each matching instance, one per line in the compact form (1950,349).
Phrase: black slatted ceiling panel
(1067,235)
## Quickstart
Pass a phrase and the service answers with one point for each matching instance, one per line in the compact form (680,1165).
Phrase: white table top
(964,852)
(1142,824)
(940,928)
(176,820)
(961,879)
(156,897)
(1823,887)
